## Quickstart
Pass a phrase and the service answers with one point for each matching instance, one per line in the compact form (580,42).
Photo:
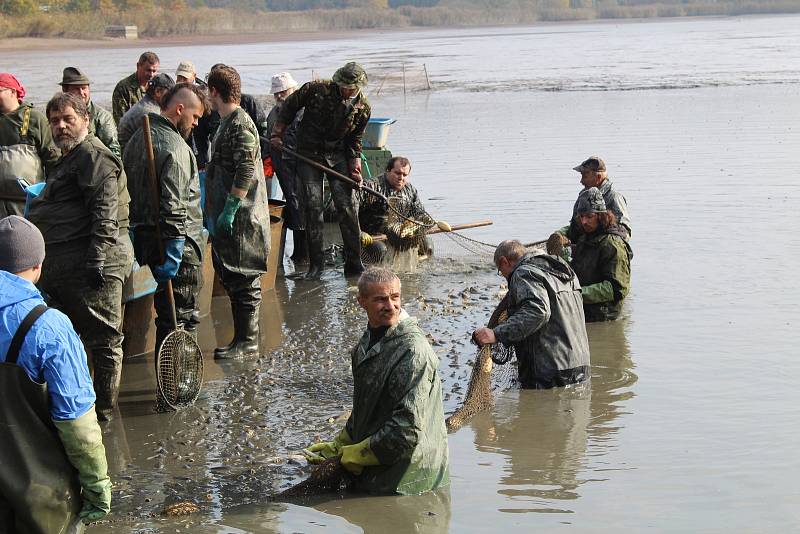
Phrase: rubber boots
(227,347)
(314,240)
(106,388)
(245,335)
(300,252)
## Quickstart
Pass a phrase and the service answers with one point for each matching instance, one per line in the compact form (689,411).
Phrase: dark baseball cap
(593,163)
(162,80)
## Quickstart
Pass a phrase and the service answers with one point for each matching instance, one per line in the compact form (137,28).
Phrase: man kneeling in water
(395,440)
(373,213)
(545,318)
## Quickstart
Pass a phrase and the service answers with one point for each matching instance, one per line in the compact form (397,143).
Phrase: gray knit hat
(591,201)
(21,244)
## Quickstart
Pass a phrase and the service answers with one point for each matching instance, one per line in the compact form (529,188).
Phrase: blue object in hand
(173,252)
(31,192)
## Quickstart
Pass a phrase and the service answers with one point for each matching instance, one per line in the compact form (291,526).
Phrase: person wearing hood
(545,322)
(601,257)
(336,113)
(395,440)
(82,213)
(593,174)
(101,123)
(55,473)
(26,145)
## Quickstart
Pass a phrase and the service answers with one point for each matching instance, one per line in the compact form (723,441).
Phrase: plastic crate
(377,132)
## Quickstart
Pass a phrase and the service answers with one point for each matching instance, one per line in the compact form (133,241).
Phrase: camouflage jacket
(236,162)
(545,320)
(85,196)
(614,201)
(330,124)
(397,404)
(180,214)
(126,93)
(373,211)
(132,120)
(602,262)
(203,133)
(101,124)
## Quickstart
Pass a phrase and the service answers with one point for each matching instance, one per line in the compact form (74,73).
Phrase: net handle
(437,230)
(352,183)
(156,194)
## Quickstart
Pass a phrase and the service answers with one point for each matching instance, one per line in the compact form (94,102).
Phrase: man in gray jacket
(180,217)
(151,103)
(545,321)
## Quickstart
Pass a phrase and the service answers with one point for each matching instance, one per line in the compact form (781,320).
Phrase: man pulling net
(376,218)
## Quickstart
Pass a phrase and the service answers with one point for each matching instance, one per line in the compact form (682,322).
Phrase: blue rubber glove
(224,226)
(173,251)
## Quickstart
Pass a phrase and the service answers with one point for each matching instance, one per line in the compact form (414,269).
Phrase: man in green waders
(26,145)
(54,472)
(395,440)
(237,206)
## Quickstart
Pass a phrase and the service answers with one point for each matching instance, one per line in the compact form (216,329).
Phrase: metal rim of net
(179,369)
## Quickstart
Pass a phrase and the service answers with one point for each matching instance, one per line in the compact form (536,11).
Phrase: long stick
(426,76)
(353,184)
(156,194)
(437,230)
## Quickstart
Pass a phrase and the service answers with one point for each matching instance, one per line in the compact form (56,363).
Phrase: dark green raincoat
(602,262)
(397,403)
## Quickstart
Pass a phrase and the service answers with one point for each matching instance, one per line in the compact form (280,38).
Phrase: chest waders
(18,161)
(39,490)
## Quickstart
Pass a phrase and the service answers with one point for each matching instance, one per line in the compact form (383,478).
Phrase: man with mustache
(82,213)
(395,440)
(336,113)
(130,89)
(180,216)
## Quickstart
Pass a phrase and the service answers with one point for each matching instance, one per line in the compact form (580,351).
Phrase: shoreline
(38,44)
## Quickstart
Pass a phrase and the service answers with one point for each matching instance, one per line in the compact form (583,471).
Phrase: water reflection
(551,439)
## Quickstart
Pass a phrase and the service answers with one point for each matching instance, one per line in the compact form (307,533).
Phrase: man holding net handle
(545,322)
(374,214)
(335,117)
(180,217)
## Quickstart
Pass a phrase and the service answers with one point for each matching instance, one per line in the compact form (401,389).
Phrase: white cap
(281,82)
(185,69)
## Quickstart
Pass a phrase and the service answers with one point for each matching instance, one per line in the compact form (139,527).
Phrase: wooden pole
(404,79)
(428,80)
(437,230)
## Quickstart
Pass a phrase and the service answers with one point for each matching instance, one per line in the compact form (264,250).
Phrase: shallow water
(688,423)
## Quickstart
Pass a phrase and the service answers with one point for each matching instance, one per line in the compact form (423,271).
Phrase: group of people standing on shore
(76,209)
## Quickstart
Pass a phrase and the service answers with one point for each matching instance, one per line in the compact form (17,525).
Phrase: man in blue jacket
(54,473)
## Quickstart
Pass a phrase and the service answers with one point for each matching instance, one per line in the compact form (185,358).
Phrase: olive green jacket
(397,404)
(602,262)
(101,124)
(126,93)
(15,130)
(180,213)
(330,124)
(85,196)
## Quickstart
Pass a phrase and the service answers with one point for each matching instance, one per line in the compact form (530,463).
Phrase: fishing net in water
(494,368)
(327,477)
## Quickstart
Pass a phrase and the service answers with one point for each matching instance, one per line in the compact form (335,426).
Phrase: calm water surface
(689,422)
